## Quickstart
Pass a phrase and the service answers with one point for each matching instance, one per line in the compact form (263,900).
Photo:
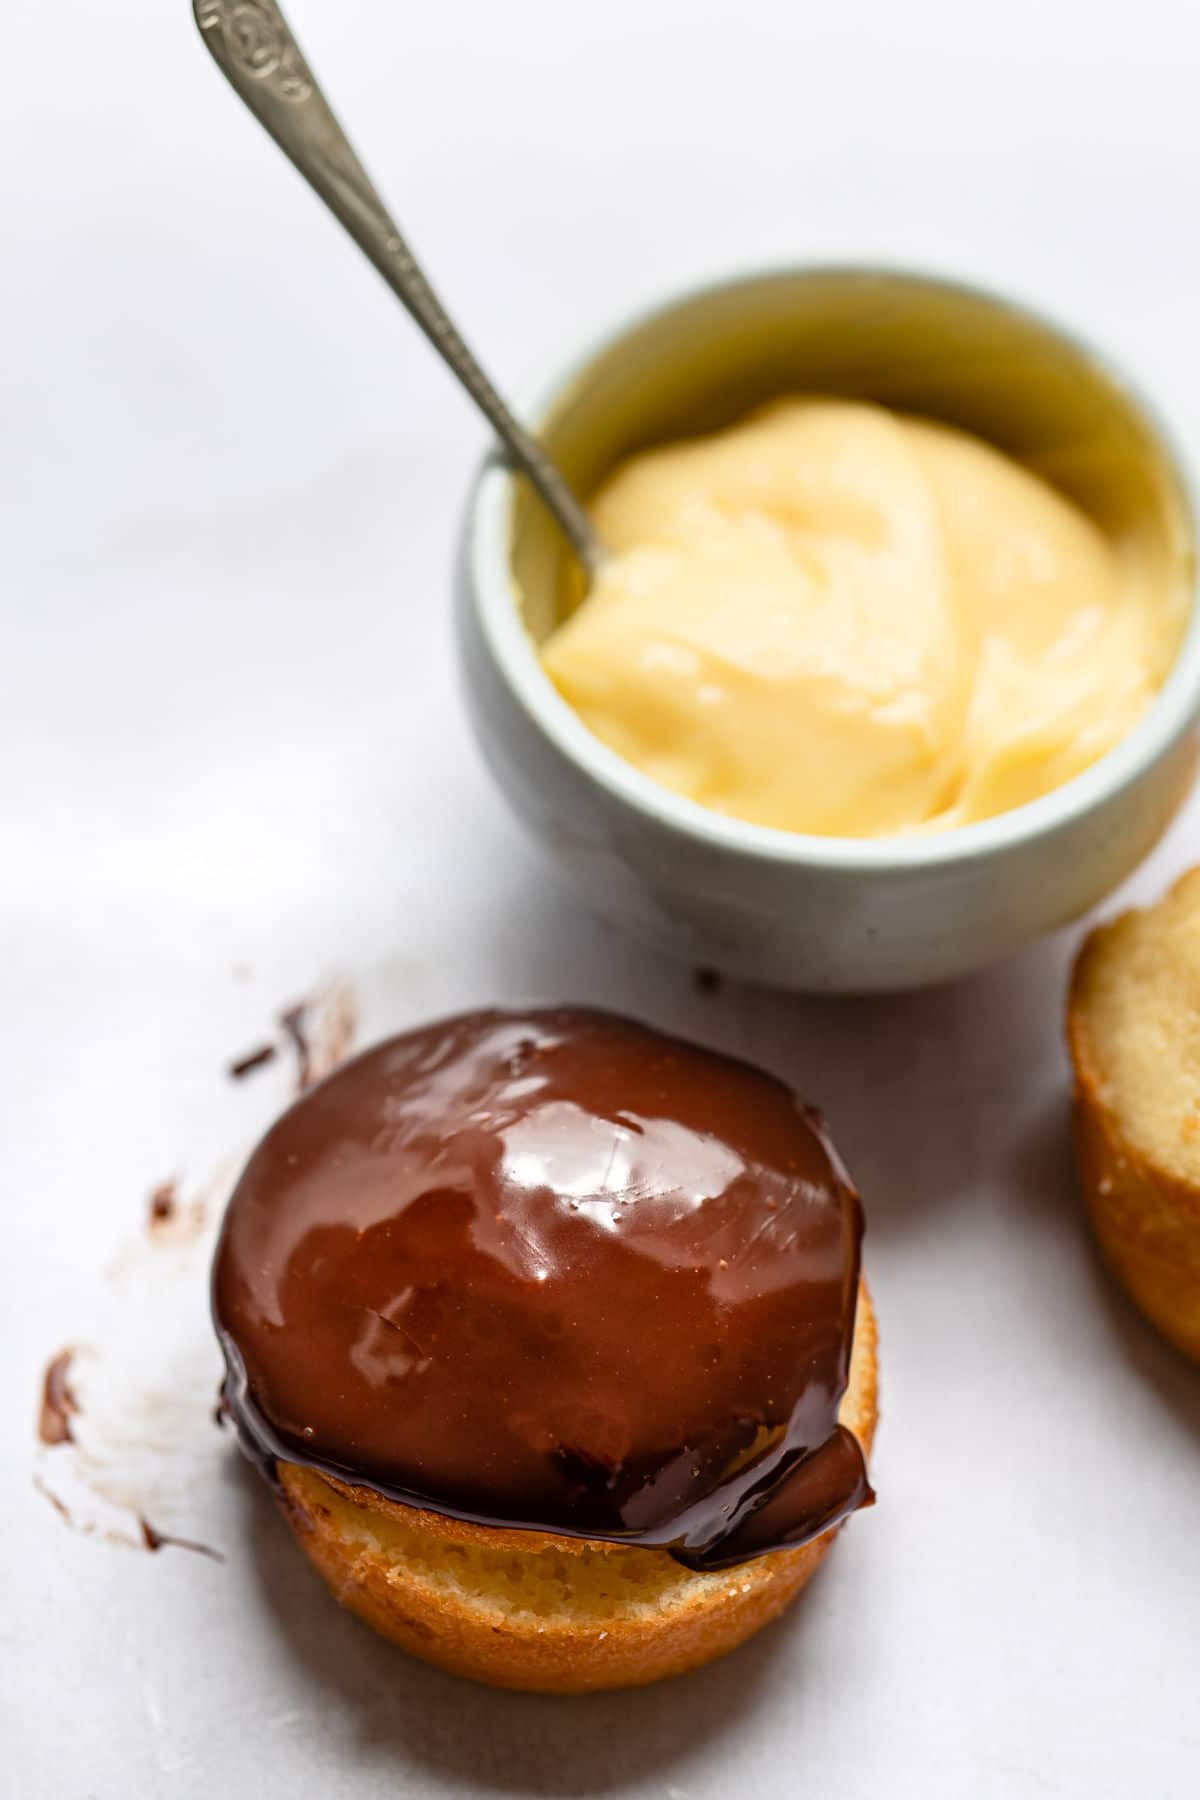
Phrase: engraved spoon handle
(254,49)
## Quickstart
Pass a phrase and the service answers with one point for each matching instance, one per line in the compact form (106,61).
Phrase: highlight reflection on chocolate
(553,1269)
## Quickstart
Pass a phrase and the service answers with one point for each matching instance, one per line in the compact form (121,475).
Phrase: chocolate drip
(555,1270)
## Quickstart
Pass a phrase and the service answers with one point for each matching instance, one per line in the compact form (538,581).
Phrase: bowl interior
(908,342)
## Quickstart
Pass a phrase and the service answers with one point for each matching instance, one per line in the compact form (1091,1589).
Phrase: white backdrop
(235,760)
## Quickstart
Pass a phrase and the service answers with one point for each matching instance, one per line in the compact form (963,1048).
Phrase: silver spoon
(254,49)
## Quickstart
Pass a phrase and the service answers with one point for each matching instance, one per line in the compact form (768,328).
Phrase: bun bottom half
(536,1611)
(1133,1029)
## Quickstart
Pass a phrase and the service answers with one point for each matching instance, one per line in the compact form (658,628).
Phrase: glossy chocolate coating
(553,1269)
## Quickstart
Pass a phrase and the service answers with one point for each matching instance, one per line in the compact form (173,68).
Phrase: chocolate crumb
(706,981)
(58,1401)
(160,1540)
(163,1203)
(172,1219)
(253,1059)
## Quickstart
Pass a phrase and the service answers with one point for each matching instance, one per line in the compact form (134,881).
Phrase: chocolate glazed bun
(544,1326)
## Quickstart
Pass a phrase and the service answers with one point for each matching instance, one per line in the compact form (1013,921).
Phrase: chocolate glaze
(555,1270)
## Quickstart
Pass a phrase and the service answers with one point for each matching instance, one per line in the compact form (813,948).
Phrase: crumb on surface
(257,1058)
(164,1201)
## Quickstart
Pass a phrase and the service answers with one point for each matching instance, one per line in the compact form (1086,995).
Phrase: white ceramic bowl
(820,913)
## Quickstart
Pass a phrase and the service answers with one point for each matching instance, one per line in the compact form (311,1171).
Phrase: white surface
(230,477)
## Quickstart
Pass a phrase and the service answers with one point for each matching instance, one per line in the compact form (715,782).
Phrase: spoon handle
(254,49)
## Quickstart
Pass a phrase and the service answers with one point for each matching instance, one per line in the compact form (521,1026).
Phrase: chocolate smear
(293,1020)
(59,1404)
(161,1540)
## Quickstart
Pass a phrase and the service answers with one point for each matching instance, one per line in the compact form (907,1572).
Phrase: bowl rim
(486,541)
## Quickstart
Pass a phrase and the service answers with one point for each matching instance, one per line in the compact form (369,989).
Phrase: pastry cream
(831,618)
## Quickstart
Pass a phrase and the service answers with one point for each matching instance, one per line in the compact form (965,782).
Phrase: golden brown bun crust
(1146,1216)
(521,1609)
